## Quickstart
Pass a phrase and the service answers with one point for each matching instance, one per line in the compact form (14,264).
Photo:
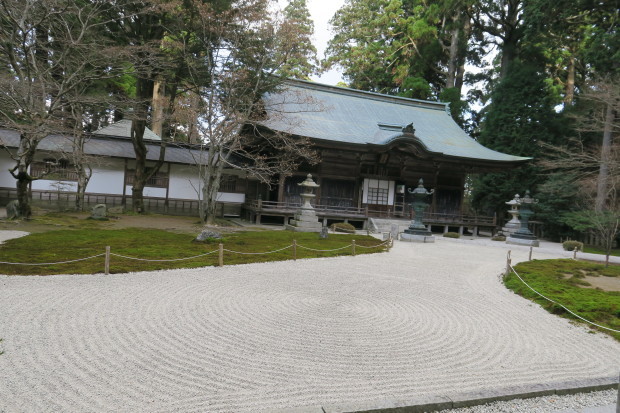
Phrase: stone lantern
(514,224)
(417,232)
(305,218)
(523,236)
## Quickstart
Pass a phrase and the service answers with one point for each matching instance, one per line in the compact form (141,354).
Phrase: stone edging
(457,400)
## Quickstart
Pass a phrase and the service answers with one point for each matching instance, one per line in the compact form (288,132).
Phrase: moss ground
(565,281)
(157,244)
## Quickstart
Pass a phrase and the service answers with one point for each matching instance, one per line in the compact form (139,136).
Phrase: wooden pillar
(462,197)
(281,180)
(167,190)
(124,202)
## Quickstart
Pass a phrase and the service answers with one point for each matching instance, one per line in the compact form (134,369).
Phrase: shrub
(343,227)
(570,245)
(451,235)
(499,237)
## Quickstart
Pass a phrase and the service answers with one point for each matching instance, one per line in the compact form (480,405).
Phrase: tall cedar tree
(407,48)
(299,57)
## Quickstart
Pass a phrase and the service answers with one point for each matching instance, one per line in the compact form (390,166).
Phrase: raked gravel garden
(421,320)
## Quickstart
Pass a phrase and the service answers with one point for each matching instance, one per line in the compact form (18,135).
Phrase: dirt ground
(604,283)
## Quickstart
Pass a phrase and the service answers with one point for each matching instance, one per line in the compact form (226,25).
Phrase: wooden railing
(266,207)
(291,207)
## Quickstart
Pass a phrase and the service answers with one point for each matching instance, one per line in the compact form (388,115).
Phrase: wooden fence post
(353,247)
(575,253)
(221,255)
(508,261)
(531,253)
(107,260)
(294,250)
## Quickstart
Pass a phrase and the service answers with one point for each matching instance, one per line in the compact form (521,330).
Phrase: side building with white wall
(175,188)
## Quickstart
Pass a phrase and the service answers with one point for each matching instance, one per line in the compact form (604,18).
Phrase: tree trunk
(603,175)
(211,186)
(25,156)
(159,103)
(569,90)
(137,198)
(462,56)
(23,181)
(453,58)
(82,183)
(512,36)
(138,125)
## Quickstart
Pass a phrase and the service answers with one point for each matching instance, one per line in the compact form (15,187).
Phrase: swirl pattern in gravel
(421,320)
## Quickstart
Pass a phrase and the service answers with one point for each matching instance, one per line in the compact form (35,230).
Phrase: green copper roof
(351,116)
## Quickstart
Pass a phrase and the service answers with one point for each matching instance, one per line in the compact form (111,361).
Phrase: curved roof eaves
(341,115)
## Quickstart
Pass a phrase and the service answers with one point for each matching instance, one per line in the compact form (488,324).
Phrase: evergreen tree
(520,117)
(300,57)
(409,48)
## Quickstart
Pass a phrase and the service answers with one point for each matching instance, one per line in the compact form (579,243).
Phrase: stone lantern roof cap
(309,183)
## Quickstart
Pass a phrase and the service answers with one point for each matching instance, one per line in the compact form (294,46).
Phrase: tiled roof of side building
(351,116)
(115,147)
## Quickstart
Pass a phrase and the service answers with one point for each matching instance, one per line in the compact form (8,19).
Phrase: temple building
(372,148)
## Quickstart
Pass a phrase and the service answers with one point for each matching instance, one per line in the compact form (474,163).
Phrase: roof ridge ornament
(409,129)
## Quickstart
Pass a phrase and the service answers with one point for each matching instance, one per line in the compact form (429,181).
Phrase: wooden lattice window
(159,180)
(54,170)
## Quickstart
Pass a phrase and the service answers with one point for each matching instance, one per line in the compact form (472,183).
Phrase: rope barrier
(554,302)
(53,263)
(312,249)
(173,259)
(373,246)
(259,253)
(193,257)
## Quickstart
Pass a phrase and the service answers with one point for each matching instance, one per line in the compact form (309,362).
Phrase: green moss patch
(153,244)
(563,281)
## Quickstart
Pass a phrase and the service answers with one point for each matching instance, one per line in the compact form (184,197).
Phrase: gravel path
(7,235)
(421,320)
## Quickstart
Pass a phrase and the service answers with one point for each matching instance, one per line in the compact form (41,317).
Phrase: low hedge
(571,245)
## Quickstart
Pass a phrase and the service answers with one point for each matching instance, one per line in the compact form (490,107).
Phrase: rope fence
(510,268)
(108,254)
(53,263)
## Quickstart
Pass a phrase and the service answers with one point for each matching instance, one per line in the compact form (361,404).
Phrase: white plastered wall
(186,184)
(6,163)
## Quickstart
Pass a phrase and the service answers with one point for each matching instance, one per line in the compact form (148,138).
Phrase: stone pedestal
(413,237)
(305,220)
(512,239)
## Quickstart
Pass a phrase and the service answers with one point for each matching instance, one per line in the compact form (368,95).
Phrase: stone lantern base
(516,239)
(305,221)
(417,236)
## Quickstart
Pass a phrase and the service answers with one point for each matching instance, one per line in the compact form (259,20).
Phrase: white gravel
(548,404)
(7,235)
(421,320)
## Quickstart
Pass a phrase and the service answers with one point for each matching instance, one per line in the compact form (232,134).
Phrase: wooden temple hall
(373,148)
